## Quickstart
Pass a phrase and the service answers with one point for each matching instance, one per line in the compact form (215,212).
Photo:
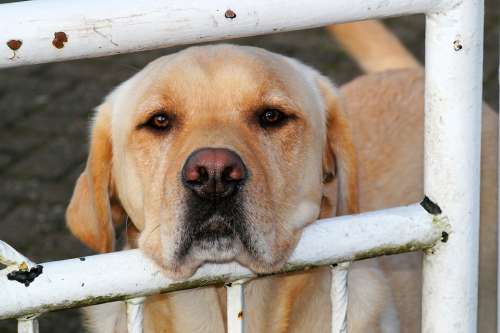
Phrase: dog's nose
(214,172)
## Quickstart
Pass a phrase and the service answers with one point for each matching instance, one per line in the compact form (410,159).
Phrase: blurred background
(44,118)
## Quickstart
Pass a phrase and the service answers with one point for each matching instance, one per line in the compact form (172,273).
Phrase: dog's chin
(220,250)
(216,250)
(202,251)
(221,240)
(181,270)
(267,265)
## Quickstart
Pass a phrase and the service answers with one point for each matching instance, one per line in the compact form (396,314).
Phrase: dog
(220,153)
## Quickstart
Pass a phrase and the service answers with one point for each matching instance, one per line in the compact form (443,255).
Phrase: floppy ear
(93,208)
(339,162)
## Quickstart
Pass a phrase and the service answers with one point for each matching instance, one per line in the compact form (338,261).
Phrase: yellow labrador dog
(223,152)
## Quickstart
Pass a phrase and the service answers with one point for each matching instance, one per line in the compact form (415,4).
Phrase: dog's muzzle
(215,219)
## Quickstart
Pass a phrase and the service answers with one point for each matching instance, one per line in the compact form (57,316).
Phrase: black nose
(214,172)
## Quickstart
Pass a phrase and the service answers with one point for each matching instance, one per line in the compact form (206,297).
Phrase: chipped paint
(25,276)
(230,14)
(14,44)
(457,45)
(60,38)
(430,206)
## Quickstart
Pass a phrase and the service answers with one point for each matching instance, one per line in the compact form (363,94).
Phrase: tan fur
(339,138)
(373,46)
(93,207)
(214,92)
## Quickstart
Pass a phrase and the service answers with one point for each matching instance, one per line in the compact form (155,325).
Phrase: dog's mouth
(214,230)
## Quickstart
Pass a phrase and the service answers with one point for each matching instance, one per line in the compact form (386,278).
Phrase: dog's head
(216,153)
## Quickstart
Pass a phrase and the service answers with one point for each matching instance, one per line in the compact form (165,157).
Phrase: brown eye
(271,118)
(159,122)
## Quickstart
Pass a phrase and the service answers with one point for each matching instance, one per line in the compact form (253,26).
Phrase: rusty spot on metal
(14,44)
(230,14)
(59,39)
(240,315)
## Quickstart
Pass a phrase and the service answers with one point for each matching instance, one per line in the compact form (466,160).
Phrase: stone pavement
(44,117)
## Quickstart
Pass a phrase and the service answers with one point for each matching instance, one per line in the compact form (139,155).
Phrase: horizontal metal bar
(55,30)
(127,274)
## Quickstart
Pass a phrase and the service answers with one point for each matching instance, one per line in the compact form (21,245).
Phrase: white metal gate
(446,223)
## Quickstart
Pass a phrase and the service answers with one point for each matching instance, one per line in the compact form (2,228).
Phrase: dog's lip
(215,227)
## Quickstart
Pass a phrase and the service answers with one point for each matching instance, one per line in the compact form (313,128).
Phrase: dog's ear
(93,208)
(339,161)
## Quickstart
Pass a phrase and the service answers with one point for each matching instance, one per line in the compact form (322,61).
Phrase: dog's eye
(159,122)
(271,118)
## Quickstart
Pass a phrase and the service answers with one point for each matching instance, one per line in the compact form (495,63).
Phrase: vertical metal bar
(339,297)
(235,307)
(135,315)
(454,44)
(27,324)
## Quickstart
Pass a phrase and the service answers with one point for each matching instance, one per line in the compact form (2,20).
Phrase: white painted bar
(128,274)
(27,325)
(454,44)
(339,297)
(9,256)
(96,28)
(236,307)
(135,315)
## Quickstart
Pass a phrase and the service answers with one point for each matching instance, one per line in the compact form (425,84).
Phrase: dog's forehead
(221,74)
(223,82)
